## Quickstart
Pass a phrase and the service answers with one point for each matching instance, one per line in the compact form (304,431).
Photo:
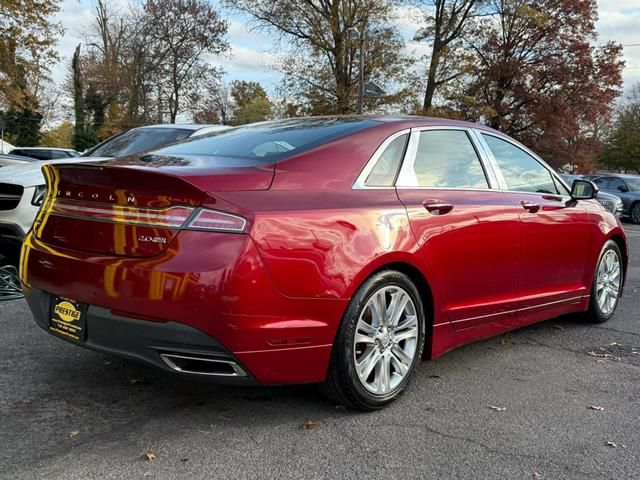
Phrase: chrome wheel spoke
(378,309)
(397,307)
(401,360)
(383,375)
(368,364)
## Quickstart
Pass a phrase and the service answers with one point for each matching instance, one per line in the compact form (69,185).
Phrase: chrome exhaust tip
(195,365)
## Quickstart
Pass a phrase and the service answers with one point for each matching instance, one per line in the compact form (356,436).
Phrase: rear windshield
(268,141)
(137,140)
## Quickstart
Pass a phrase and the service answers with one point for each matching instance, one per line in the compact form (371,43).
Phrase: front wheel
(607,284)
(379,343)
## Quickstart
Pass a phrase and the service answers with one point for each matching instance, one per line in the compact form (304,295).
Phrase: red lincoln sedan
(332,250)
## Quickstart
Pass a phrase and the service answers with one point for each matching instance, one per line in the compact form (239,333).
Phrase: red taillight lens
(219,221)
(172,217)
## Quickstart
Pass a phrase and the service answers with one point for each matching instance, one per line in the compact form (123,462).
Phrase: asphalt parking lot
(565,397)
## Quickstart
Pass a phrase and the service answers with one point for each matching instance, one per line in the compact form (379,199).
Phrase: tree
(445,25)
(213,103)
(323,68)
(60,136)
(181,33)
(22,126)
(622,149)
(27,40)
(538,79)
(84,136)
(251,102)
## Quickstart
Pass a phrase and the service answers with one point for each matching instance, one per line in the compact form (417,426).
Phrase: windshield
(268,141)
(137,140)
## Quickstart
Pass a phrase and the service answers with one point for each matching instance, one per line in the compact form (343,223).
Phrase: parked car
(8,159)
(337,250)
(22,188)
(609,201)
(141,139)
(627,187)
(45,153)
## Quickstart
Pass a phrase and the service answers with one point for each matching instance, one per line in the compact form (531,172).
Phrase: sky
(253,53)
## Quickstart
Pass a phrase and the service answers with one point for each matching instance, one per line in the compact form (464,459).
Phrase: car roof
(10,156)
(55,149)
(401,121)
(183,126)
(620,175)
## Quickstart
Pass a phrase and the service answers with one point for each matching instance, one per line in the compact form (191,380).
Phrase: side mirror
(583,190)
(623,188)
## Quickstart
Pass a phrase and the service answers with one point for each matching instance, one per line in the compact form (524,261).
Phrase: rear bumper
(208,293)
(149,342)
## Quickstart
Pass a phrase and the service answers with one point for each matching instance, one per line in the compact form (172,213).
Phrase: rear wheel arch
(622,245)
(423,286)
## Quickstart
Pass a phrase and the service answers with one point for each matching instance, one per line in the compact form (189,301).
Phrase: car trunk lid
(129,211)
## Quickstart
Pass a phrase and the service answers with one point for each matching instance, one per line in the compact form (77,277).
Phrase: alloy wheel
(608,281)
(635,213)
(385,340)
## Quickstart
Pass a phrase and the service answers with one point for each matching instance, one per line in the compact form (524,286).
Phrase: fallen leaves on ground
(612,444)
(310,425)
(497,408)
(595,407)
(602,354)
(75,433)
(558,327)
(136,381)
(150,456)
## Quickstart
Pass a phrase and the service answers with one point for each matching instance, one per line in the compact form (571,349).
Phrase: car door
(467,230)
(555,230)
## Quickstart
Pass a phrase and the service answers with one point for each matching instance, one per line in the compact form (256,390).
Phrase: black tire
(595,314)
(634,213)
(342,385)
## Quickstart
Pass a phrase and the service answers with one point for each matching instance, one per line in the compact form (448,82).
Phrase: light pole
(361,36)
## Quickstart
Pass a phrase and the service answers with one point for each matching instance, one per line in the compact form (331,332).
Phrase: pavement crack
(510,454)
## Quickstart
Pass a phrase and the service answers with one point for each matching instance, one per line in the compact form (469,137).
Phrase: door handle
(437,207)
(530,206)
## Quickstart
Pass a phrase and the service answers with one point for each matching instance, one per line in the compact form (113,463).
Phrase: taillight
(172,217)
(219,221)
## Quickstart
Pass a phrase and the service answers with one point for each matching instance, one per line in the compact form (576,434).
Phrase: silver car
(609,201)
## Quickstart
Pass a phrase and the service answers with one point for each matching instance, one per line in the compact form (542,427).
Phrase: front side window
(617,185)
(384,172)
(445,159)
(602,183)
(521,171)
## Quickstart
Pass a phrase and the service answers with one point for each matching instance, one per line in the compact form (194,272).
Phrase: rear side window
(37,154)
(445,159)
(385,170)
(268,142)
(521,171)
(138,140)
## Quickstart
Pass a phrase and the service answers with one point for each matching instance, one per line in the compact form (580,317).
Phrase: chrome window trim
(405,178)
(360,184)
